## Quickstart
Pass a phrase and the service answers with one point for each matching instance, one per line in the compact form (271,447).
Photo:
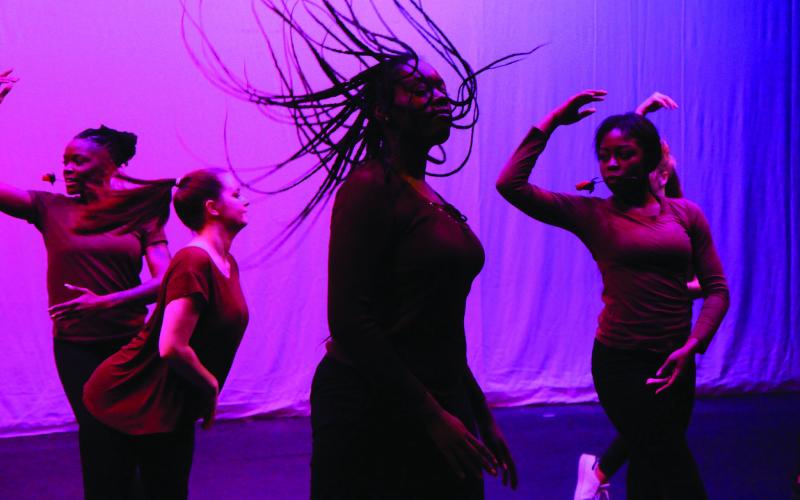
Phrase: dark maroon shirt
(134,390)
(645,261)
(400,270)
(103,263)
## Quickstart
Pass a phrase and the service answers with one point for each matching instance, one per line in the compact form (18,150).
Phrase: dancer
(595,473)
(97,301)
(170,374)
(395,410)
(645,247)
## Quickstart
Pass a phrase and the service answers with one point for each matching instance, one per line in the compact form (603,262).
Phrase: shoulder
(191,257)
(368,175)
(368,183)
(48,198)
(682,207)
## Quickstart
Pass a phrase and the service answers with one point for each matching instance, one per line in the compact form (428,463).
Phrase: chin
(440,136)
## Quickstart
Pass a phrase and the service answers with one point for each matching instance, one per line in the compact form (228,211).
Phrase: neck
(217,238)
(406,157)
(635,198)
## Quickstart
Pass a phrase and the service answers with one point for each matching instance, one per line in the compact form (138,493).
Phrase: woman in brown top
(170,374)
(646,248)
(96,298)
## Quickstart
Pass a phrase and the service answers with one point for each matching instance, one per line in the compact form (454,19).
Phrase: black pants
(109,458)
(652,426)
(361,451)
(614,457)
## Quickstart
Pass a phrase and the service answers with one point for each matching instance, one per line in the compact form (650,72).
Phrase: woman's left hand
(86,303)
(672,368)
(493,438)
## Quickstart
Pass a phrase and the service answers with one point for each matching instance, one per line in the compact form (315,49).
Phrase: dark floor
(746,448)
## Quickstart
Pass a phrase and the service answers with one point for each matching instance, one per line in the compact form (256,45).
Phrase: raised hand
(655,102)
(6,83)
(570,111)
(462,450)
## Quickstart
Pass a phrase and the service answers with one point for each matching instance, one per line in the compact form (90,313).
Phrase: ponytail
(126,210)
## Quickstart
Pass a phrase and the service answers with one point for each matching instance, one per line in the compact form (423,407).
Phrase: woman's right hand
(461,449)
(570,111)
(6,83)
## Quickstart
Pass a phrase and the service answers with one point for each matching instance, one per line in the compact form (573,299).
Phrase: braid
(333,122)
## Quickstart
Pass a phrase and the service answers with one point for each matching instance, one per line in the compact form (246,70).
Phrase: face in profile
(86,163)
(621,162)
(421,107)
(232,205)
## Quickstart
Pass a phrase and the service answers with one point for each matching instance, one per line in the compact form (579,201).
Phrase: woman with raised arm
(646,247)
(594,473)
(395,409)
(156,387)
(97,300)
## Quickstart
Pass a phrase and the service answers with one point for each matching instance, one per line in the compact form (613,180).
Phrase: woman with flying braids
(646,248)
(395,410)
(97,301)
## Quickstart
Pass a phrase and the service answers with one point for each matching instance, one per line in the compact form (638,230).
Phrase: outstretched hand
(655,102)
(6,83)
(86,303)
(462,450)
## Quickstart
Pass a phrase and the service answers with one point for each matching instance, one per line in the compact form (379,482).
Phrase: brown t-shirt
(103,263)
(135,391)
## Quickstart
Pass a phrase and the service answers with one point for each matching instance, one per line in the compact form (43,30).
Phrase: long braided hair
(334,121)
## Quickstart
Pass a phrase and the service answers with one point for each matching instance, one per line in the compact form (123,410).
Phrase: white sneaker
(589,487)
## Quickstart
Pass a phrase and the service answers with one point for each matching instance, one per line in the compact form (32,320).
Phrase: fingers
(665,101)
(77,288)
(488,461)
(669,383)
(507,464)
(666,366)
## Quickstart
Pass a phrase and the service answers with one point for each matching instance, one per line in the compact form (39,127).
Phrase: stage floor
(746,447)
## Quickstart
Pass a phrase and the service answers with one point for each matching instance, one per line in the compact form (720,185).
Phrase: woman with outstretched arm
(97,300)
(645,247)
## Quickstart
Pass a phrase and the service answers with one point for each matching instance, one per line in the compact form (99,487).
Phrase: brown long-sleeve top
(645,261)
(400,270)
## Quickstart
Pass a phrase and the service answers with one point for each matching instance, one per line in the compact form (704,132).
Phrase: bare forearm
(146,293)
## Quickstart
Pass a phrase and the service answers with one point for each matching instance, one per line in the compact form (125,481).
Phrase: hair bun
(119,144)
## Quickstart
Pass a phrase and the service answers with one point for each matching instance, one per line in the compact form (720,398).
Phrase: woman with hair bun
(97,300)
(156,387)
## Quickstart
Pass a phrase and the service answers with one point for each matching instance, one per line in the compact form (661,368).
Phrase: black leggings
(652,426)
(360,451)
(109,458)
